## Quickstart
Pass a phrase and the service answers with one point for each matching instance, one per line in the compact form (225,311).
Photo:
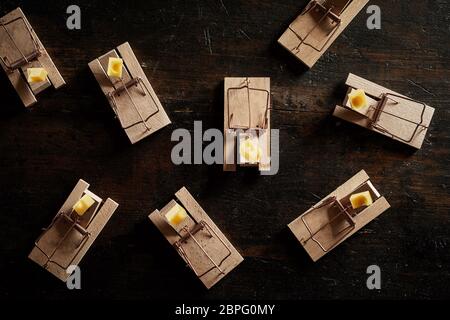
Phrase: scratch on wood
(410,197)
(333,281)
(315,196)
(298,111)
(200,11)
(183,111)
(208,39)
(174,35)
(245,34)
(161,14)
(223,6)
(421,87)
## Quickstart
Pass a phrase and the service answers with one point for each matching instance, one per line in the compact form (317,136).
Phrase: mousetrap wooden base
(67,239)
(318,26)
(20,49)
(132,97)
(198,240)
(331,221)
(247,118)
(387,112)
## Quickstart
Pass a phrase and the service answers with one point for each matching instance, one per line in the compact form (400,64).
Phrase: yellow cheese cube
(359,200)
(83,205)
(115,66)
(176,215)
(358,99)
(249,150)
(36,75)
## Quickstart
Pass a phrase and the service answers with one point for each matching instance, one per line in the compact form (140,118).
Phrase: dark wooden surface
(186,49)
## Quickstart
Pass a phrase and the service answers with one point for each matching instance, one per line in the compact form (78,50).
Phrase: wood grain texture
(240,94)
(136,101)
(337,231)
(75,246)
(404,120)
(186,48)
(313,32)
(23,35)
(210,238)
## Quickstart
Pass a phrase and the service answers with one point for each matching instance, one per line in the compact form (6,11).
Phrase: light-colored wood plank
(22,88)
(265,138)
(159,120)
(371,88)
(229,149)
(319,217)
(70,250)
(199,214)
(7,49)
(103,81)
(46,61)
(20,35)
(388,119)
(126,112)
(237,99)
(196,256)
(320,36)
(24,41)
(146,102)
(124,108)
(166,229)
(212,245)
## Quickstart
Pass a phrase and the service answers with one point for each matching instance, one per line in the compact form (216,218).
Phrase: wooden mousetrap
(247,123)
(131,96)
(386,112)
(196,238)
(72,231)
(334,219)
(318,26)
(20,50)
